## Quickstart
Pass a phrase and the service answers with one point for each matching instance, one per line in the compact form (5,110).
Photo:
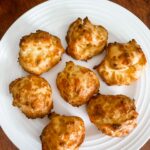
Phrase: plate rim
(6,130)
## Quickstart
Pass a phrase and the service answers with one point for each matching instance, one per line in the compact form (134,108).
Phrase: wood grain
(10,10)
(141,8)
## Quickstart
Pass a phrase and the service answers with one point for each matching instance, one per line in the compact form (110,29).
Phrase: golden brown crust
(63,133)
(85,40)
(33,95)
(39,52)
(123,63)
(114,115)
(77,84)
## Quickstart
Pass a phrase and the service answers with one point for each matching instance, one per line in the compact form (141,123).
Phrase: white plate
(55,16)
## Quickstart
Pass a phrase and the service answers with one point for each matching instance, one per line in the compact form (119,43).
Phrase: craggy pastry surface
(114,115)
(123,64)
(63,133)
(32,95)
(39,52)
(77,84)
(85,40)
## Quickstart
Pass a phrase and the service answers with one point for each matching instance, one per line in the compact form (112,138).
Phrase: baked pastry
(114,115)
(77,84)
(123,63)
(85,40)
(33,95)
(39,52)
(63,133)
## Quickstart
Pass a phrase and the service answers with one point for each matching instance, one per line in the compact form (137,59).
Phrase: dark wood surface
(10,10)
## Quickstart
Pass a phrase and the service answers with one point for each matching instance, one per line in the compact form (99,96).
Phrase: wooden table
(10,10)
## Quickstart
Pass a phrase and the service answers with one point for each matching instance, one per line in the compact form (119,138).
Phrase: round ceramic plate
(55,16)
